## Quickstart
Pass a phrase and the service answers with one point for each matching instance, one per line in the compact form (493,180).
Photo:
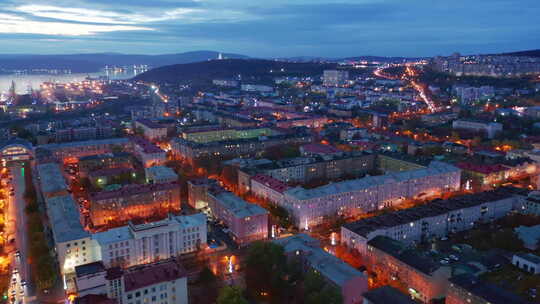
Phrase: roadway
(18,230)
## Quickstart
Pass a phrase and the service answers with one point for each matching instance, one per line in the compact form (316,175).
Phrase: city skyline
(280,29)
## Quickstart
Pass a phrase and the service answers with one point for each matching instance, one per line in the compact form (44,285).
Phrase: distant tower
(220,56)
(12,92)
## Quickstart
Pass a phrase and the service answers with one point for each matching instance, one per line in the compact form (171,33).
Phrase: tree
(318,291)
(231,295)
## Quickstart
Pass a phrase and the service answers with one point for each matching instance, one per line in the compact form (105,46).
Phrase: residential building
(152,131)
(90,279)
(198,192)
(247,222)
(435,219)
(490,129)
(133,201)
(72,244)
(160,174)
(307,250)
(72,151)
(469,289)
(386,295)
(163,282)
(52,182)
(353,197)
(529,235)
(113,160)
(148,153)
(268,188)
(390,260)
(214,133)
(527,261)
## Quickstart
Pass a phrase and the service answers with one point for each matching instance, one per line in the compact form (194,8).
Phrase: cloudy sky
(270,28)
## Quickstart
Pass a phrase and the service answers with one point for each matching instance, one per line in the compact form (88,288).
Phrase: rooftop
(161,172)
(51,178)
(65,219)
(320,149)
(435,168)
(150,274)
(491,293)
(133,189)
(271,182)
(529,257)
(91,268)
(145,145)
(328,265)
(237,206)
(150,124)
(437,207)
(108,141)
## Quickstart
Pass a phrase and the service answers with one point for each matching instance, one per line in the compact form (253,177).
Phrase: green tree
(231,295)
(318,291)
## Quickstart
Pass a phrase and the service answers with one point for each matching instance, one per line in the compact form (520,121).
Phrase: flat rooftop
(65,219)
(435,168)
(51,178)
(237,206)
(328,265)
(401,217)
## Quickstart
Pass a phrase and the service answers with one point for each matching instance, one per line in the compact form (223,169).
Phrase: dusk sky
(270,28)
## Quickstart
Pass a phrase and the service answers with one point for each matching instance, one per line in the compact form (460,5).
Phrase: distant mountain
(530,53)
(94,62)
(249,69)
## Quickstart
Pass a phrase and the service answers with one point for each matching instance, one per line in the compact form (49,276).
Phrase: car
(444,262)
(453,257)
(444,238)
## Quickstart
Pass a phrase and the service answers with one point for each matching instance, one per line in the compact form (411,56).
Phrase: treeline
(43,264)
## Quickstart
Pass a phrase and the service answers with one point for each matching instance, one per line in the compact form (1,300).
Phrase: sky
(270,28)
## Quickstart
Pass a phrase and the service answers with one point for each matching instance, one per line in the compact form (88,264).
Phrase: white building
(353,197)
(163,282)
(433,220)
(527,261)
(139,244)
(490,128)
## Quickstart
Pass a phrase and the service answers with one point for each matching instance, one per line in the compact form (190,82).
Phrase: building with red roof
(161,282)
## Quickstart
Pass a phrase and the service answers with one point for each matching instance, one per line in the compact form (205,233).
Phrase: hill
(94,62)
(254,69)
(530,53)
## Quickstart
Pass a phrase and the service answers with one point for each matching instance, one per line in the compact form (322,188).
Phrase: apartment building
(213,133)
(160,174)
(72,151)
(152,131)
(51,180)
(113,160)
(148,153)
(435,219)
(334,78)
(469,289)
(247,222)
(305,169)
(307,250)
(163,282)
(489,128)
(133,201)
(241,147)
(353,197)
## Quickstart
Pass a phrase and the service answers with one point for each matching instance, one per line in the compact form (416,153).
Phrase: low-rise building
(51,181)
(198,192)
(268,188)
(307,250)
(161,282)
(527,261)
(72,151)
(529,235)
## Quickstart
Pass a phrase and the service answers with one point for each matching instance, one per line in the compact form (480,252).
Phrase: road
(18,228)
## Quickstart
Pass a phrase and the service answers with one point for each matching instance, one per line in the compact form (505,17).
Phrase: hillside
(530,53)
(255,69)
(94,62)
